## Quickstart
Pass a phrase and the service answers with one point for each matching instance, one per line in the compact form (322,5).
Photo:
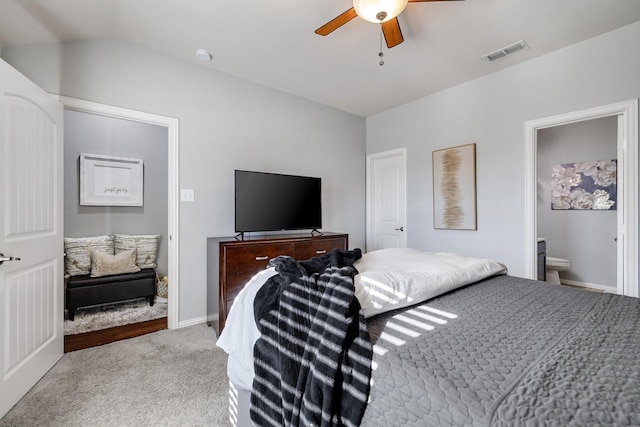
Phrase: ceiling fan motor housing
(378,11)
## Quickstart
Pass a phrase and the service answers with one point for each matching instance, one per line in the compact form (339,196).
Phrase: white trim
(627,113)
(211,318)
(172,125)
(369,182)
(605,288)
(196,321)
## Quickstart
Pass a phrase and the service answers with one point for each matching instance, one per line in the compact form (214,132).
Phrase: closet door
(386,200)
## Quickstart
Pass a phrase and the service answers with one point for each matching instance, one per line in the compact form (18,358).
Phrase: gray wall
(96,134)
(584,237)
(226,123)
(491,111)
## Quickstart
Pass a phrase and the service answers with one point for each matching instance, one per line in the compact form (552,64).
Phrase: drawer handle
(262,258)
(321,252)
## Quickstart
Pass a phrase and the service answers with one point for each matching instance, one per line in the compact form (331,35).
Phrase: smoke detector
(203,55)
(505,51)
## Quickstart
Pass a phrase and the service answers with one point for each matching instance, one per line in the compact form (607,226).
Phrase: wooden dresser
(240,260)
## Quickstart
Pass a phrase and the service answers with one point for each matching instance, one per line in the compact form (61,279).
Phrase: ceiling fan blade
(392,32)
(337,22)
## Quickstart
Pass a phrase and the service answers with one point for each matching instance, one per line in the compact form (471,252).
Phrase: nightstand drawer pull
(321,252)
(262,258)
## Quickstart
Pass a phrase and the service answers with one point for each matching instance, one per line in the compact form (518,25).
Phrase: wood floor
(117,333)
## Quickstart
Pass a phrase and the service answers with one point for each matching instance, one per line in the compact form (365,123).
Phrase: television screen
(270,202)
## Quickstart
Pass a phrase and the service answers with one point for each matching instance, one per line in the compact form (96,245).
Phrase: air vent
(505,51)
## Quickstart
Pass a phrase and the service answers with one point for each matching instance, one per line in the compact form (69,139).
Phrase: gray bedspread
(508,351)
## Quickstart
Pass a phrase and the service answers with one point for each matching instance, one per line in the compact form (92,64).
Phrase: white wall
(491,111)
(584,237)
(225,123)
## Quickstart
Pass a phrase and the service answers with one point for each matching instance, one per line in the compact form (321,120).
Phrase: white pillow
(103,264)
(389,279)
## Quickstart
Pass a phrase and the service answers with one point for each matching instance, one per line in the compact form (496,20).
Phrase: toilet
(554,266)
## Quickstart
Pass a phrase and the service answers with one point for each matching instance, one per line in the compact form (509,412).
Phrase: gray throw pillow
(146,246)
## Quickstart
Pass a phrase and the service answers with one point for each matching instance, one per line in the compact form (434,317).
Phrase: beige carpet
(118,314)
(166,378)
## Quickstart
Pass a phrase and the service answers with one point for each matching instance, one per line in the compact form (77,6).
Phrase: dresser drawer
(234,282)
(307,250)
(243,262)
(254,258)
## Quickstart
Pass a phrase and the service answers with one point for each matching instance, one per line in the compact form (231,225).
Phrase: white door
(386,200)
(31,220)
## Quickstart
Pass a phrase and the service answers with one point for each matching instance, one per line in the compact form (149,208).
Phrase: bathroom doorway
(574,230)
(626,236)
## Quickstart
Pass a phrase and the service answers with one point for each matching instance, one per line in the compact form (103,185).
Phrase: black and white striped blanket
(313,359)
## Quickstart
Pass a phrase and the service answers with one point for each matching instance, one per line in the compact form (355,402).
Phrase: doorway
(626,114)
(576,225)
(171,124)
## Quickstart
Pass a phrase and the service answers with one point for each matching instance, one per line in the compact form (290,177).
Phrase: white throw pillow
(103,264)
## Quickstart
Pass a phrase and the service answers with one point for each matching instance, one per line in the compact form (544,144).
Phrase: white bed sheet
(388,279)
(241,333)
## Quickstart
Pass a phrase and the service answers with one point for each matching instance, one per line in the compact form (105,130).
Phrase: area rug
(110,315)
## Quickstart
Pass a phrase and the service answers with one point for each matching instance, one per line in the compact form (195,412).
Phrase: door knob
(7,258)
(399,229)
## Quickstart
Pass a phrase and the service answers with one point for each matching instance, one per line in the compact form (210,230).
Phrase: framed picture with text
(110,181)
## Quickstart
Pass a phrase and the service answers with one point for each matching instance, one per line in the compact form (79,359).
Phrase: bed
(457,341)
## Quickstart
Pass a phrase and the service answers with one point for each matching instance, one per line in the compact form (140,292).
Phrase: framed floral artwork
(584,185)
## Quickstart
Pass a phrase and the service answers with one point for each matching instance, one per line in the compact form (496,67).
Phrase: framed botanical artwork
(454,188)
(110,181)
(585,185)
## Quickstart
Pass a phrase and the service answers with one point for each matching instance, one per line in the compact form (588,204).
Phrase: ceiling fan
(384,12)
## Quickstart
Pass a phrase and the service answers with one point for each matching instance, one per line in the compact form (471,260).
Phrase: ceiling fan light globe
(369,9)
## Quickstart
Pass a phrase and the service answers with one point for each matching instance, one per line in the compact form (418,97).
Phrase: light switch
(187,195)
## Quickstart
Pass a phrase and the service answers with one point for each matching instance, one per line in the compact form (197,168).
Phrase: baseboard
(605,288)
(191,322)
(211,320)
(161,300)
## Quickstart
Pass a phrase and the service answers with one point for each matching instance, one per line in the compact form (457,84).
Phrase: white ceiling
(272,42)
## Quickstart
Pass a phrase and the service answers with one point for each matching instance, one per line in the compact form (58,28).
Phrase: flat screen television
(271,202)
